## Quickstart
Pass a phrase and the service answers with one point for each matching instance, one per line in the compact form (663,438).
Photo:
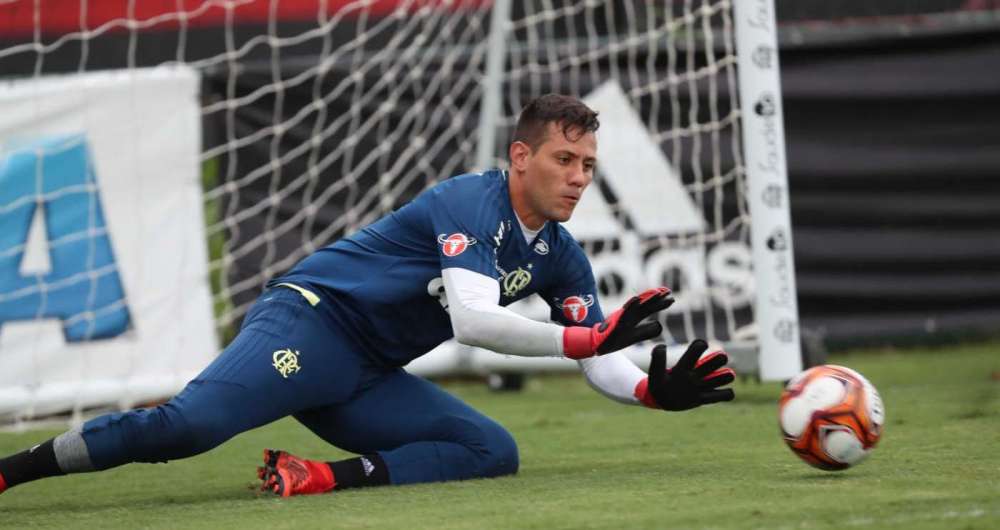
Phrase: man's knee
(499,453)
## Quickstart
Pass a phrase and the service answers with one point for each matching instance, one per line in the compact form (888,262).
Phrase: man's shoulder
(471,185)
(478,196)
(565,248)
(564,239)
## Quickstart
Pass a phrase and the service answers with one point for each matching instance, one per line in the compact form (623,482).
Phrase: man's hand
(692,382)
(622,328)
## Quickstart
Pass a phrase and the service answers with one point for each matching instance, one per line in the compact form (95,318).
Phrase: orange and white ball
(831,416)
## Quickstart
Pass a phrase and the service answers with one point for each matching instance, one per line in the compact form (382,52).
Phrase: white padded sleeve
(614,376)
(478,320)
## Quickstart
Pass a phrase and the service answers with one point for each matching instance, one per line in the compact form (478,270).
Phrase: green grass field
(589,463)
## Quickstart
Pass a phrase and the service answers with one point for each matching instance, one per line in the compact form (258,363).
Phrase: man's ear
(519,153)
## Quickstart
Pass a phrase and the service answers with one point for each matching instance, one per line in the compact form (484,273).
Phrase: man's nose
(579,177)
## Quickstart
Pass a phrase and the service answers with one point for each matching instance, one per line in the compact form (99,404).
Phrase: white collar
(529,234)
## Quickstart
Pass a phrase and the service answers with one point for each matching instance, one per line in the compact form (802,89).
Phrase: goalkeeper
(326,342)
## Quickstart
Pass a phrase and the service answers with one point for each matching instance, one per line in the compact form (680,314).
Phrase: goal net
(316,117)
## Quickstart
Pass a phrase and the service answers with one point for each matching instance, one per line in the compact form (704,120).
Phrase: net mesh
(320,116)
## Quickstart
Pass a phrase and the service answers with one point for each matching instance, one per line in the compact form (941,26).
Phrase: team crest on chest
(515,281)
(575,307)
(455,244)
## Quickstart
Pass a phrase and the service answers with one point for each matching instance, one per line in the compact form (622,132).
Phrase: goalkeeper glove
(692,382)
(622,328)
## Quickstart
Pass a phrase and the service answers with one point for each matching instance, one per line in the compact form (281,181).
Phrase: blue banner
(83,287)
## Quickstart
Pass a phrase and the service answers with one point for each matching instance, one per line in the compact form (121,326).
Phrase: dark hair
(573,115)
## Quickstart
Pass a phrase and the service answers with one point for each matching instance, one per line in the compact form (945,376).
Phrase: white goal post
(316,117)
(762,122)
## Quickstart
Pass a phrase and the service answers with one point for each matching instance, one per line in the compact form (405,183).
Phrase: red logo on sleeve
(575,307)
(455,244)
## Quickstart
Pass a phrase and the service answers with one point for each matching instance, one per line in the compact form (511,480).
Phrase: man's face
(558,172)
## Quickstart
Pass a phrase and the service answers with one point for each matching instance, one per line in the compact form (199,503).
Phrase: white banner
(104,294)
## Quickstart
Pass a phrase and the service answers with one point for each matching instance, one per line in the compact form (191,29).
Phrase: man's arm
(477,319)
(614,376)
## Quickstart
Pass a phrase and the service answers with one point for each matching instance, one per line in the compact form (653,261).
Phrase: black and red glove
(622,328)
(692,382)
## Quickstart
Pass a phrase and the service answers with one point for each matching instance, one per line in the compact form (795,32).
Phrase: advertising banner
(104,294)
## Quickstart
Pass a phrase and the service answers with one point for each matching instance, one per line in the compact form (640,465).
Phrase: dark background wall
(894,166)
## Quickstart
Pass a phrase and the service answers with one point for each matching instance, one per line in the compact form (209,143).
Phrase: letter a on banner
(81,287)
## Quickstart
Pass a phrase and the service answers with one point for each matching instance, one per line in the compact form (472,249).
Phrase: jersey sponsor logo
(286,362)
(514,282)
(455,244)
(498,238)
(541,247)
(575,307)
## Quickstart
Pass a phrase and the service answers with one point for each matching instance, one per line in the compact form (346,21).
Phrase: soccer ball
(831,416)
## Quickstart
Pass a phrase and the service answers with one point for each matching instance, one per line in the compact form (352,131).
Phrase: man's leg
(204,414)
(416,430)
(279,363)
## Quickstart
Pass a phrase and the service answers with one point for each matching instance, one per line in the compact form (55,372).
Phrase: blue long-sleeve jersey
(383,285)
